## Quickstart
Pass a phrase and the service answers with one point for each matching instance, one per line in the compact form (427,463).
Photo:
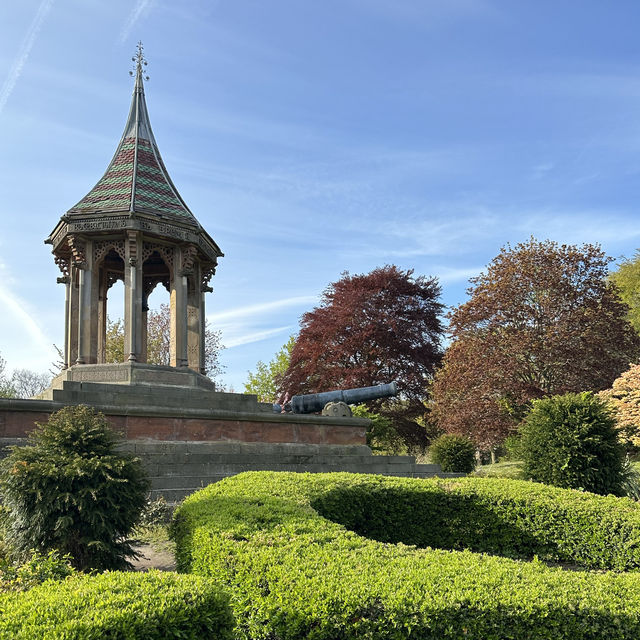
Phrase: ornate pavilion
(135,227)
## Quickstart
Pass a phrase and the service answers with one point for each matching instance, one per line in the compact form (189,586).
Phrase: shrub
(36,570)
(70,490)
(454,453)
(155,513)
(281,542)
(118,606)
(382,436)
(570,441)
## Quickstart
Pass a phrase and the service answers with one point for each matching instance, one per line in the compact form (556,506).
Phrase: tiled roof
(136,180)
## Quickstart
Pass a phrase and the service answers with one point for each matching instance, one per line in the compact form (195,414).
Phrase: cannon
(312,402)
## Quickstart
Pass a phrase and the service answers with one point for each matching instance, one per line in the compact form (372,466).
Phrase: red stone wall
(16,424)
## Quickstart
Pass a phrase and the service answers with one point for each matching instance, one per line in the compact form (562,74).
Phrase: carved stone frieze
(164,251)
(100,249)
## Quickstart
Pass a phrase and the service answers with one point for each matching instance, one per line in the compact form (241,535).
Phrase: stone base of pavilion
(189,435)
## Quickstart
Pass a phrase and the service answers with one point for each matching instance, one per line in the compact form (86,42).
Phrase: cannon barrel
(309,403)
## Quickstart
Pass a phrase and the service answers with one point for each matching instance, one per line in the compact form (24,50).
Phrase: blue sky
(310,138)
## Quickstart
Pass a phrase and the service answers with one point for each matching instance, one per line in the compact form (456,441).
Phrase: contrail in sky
(25,50)
(140,7)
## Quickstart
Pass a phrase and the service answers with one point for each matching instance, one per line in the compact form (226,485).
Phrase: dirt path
(153,558)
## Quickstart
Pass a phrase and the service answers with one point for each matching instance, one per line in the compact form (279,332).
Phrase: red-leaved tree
(543,319)
(371,329)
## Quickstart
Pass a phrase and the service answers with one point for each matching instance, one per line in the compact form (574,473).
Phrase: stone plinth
(141,411)
(130,373)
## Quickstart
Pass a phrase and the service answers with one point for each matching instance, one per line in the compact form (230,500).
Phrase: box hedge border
(118,606)
(294,573)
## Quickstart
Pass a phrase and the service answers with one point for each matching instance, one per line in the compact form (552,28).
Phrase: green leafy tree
(571,441)
(159,342)
(627,279)
(70,490)
(264,381)
(382,436)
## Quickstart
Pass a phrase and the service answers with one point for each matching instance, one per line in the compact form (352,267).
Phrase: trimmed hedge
(294,573)
(118,606)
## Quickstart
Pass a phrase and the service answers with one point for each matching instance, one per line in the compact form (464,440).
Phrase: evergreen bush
(70,490)
(454,453)
(571,441)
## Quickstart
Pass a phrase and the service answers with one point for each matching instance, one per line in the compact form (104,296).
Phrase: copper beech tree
(542,319)
(371,329)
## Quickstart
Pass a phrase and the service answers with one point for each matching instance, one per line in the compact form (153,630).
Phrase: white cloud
(141,8)
(23,54)
(259,310)
(247,338)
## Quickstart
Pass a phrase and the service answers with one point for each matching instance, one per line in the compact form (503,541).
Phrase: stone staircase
(177,469)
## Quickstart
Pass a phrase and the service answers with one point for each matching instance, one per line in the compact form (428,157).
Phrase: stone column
(195,337)
(103,286)
(132,298)
(178,305)
(66,281)
(80,359)
(179,321)
(144,327)
(203,329)
(71,335)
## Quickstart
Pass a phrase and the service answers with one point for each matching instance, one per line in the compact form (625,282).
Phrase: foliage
(371,329)
(159,342)
(70,490)
(264,382)
(543,319)
(27,383)
(627,280)
(631,480)
(382,436)
(6,388)
(624,400)
(453,453)
(37,569)
(155,512)
(570,441)
(295,573)
(118,605)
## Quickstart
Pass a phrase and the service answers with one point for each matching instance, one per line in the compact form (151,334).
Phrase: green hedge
(118,606)
(293,573)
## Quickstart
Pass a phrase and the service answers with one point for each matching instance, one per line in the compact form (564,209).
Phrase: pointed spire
(136,180)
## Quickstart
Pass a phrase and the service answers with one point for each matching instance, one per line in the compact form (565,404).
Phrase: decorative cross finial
(140,62)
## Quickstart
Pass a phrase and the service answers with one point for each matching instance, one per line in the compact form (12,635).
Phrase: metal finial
(139,61)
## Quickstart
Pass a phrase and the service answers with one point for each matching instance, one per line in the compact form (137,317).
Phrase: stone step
(227,447)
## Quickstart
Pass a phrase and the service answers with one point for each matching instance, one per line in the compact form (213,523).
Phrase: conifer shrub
(70,490)
(571,441)
(454,453)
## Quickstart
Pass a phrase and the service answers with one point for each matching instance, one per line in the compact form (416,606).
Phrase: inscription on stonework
(99,225)
(106,375)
